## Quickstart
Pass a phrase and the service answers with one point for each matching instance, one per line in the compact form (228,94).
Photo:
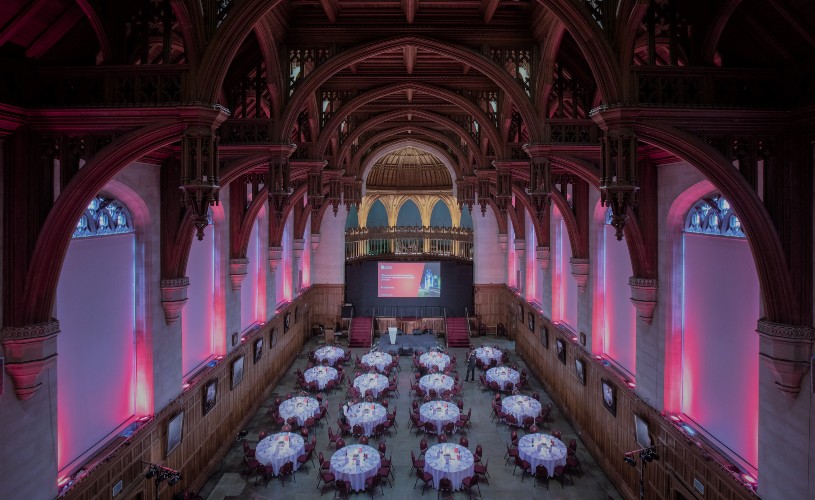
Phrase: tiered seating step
(457,332)
(360,334)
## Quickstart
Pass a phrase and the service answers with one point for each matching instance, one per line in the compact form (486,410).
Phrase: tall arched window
(96,309)
(409,215)
(720,309)
(440,216)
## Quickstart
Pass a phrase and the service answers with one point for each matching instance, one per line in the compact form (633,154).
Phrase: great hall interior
(243,238)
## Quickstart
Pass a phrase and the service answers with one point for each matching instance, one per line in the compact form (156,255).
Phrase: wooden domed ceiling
(409,168)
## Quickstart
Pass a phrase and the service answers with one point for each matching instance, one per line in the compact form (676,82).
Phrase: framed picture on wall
(609,396)
(210,395)
(296,314)
(175,430)
(520,311)
(237,371)
(561,350)
(273,338)
(286,322)
(235,338)
(530,321)
(545,336)
(583,339)
(580,370)
(258,349)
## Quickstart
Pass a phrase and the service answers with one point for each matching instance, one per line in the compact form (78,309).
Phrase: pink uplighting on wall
(196,316)
(620,331)
(721,308)
(249,287)
(96,393)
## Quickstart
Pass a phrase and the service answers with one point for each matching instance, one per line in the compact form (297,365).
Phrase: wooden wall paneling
(607,437)
(207,438)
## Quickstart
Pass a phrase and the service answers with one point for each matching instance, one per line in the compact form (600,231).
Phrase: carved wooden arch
(428,115)
(502,221)
(578,245)
(239,245)
(225,44)
(517,220)
(452,206)
(366,98)
(271,58)
(191,22)
(594,45)
(523,199)
(98,29)
(276,230)
(714,34)
(458,166)
(460,54)
(626,29)
(317,219)
(244,165)
(550,47)
(301,220)
(384,149)
(37,300)
(781,302)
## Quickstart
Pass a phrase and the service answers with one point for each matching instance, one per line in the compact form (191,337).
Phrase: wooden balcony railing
(451,242)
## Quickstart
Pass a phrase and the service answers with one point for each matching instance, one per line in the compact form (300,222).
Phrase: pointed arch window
(714,216)
(104,217)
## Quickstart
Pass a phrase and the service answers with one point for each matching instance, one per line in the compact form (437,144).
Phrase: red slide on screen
(409,279)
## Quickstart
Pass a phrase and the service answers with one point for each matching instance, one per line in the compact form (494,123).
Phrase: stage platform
(406,345)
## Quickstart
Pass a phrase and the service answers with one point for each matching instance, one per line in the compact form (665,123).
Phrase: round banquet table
(380,360)
(373,381)
(542,449)
(355,464)
(368,415)
(436,381)
(439,412)
(487,354)
(322,374)
(278,449)
(503,376)
(299,407)
(521,406)
(329,352)
(449,460)
(437,359)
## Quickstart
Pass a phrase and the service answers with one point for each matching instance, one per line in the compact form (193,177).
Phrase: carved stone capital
(298,246)
(785,350)
(29,351)
(644,297)
(237,272)
(580,272)
(315,241)
(275,257)
(542,254)
(173,297)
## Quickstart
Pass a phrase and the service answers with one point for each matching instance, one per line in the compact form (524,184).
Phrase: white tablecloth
(437,359)
(520,407)
(503,375)
(322,374)
(439,412)
(380,360)
(278,449)
(436,381)
(459,466)
(487,353)
(329,352)
(355,464)
(368,415)
(299,407)
(542,449)
(373,381)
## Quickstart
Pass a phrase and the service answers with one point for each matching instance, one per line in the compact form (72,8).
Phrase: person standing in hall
(470,364)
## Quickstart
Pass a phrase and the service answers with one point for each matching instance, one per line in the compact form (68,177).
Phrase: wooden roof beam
(331,8)
(488,7)
(22,18)
(409,7)
(409,56)
(793,21)
(54,32)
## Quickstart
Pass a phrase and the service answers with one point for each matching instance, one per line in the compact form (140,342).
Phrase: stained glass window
(103,217)
(714,216)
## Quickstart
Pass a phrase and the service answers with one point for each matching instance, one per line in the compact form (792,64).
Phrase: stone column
(520,264)
(544,261)
(28,420)
(785,431)
(298,247)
